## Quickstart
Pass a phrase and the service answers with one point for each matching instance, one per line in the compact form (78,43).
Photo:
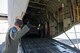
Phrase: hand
(18,28)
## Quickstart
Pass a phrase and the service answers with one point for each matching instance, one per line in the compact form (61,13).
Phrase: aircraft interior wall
(54,17)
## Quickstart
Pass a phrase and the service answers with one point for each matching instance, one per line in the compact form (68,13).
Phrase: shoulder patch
(13,30)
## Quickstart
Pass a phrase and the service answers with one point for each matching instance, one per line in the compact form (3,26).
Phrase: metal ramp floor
(46,45)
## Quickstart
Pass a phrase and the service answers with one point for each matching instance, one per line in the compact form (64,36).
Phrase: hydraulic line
(76,37)
(70,39)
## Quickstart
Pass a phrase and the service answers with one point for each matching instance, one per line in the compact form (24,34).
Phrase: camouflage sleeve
(17,35)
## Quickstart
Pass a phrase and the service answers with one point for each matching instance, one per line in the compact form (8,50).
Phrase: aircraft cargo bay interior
(53,25)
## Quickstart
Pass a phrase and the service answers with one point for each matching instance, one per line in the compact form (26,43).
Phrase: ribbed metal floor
(46,45)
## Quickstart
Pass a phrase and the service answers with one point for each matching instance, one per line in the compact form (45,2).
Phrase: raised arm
(17,35)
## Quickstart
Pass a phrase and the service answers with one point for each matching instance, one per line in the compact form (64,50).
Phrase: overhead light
(62,5)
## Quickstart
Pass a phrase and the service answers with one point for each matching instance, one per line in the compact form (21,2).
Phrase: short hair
(18,21)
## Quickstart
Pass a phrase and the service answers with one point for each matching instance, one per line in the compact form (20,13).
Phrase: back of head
(18,22)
